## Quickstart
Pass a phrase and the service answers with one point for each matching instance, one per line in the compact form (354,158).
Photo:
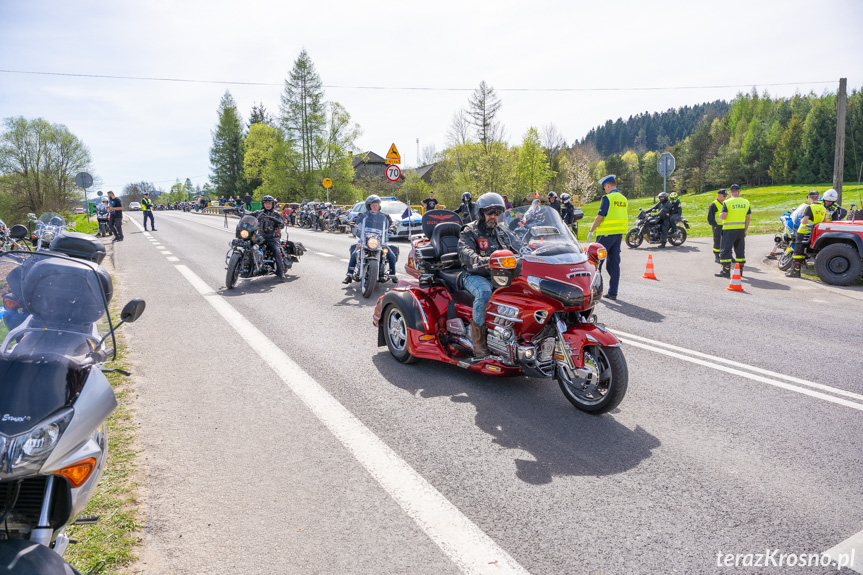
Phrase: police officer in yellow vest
(610,225)
(713,210)
(147,208)
(735,223)
(813,214)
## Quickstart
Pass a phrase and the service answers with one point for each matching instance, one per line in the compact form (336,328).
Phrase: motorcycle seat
(453,279)
(444,240)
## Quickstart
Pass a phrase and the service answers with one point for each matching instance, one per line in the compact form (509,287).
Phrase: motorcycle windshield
(52,218)
(542,236)
(47,328)
(375,223)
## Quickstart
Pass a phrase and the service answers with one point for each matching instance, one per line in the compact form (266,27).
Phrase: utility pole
(418,152)
(839,156)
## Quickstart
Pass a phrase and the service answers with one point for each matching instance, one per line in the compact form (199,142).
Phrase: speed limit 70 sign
(393,173)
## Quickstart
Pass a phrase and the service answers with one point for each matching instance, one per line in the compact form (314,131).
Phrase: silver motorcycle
(54,399)
(372,267)
(47,227)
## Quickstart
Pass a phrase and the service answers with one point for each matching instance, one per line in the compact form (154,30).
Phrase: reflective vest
(735,218)
(148,204)
(718,205)
(615,221)
(819,214)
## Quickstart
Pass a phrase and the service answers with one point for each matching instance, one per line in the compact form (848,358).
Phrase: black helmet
(663,196)
(488,201)
(266,199)
(371,200)
(565,198)
(465,197)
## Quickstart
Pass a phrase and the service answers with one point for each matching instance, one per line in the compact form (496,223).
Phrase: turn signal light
(77,473)
(602,254)
(503,259)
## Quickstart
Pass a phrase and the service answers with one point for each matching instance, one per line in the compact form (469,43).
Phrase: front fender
(416,315)
(578,337)
(831,237)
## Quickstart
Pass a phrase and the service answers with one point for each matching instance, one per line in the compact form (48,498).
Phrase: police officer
(610,225)
(147,208)
(478,240)
(814,213)
(735,216)
(553,201)
(713,210)
(115,206)
(467,209)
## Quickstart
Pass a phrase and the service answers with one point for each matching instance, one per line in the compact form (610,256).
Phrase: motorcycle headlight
(26,453)
(244,234)
(373,243)
(47,236)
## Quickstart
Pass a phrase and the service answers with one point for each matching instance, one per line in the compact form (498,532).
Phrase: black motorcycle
(250,256)
(647,228)
(372,267)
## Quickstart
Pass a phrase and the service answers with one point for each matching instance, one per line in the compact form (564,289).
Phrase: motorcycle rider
(567,212)
(467,209)
(553,201)
(271,228)
(676,211)
(835,212)
(102,213)
(714,210)
(478,240)
(663,210)
(373,206)
(815,213)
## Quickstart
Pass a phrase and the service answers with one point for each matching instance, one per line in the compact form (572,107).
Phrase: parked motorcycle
(250,257)
(44,229)
(372,267)
(55,398)
(647,228)
(540,317)
(14,238)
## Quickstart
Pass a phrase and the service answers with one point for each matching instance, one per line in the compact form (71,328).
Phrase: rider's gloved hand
(589,237)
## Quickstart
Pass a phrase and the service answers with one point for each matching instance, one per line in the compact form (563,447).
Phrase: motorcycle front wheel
(233,270)
(606,384)
(678,238)
(633,238)
(370,279)
(785,261)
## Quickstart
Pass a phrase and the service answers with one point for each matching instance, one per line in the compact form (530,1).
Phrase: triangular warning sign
(393,156)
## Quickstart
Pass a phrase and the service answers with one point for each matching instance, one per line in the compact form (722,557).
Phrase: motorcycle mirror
(32,216)
(18,232)
(133,310)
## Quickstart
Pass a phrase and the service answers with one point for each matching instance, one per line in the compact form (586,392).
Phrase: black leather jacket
(269,227)
(477,242)
(467,211)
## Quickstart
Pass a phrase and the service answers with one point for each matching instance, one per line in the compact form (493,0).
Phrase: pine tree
(304,116)
(260,115)
(226,154)
(484,106)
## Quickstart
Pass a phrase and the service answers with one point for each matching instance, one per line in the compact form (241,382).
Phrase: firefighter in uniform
(147,208)
(735,216)
(814,213)
(610,225)
(713,211)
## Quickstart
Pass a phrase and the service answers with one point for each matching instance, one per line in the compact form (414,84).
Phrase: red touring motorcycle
(540,317)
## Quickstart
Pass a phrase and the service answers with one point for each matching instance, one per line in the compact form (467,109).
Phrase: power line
(419,88)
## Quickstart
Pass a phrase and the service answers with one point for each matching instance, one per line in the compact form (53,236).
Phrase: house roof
(368,158)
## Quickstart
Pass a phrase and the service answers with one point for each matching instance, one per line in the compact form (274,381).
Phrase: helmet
(565,198)
(662,196)
(489,200)
(372,199)
(830,195)
(552,194)
(104,199)
(673,195)
(266,199)
(465,197)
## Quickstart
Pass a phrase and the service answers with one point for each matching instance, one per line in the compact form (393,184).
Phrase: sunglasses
(494,211)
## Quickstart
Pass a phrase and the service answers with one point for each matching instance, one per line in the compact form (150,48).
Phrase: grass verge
(84,226)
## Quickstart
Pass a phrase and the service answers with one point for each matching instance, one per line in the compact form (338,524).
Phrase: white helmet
(830,195)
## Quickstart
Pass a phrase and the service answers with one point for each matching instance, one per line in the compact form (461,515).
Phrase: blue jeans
(480,289)
(612,263)
(391,259)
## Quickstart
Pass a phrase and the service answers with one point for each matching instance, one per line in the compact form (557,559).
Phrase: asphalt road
(716,449)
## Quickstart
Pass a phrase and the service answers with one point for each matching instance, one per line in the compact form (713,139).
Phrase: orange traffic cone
(648,271)
(736,284)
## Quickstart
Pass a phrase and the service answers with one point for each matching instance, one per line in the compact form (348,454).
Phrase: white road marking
(173,259)
(346,260)
(762,379)
(459,538)
(165,252)
(767,372)
(325,255)
(851,550)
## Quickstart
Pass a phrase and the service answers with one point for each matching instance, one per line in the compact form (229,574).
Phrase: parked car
(80,211)
(395,210)
(135,206)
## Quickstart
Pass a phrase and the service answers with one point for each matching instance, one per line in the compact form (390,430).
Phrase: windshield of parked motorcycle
(541,234)
(52,218)
(51,305)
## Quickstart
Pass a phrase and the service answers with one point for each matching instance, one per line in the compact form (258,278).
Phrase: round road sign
(393,173)
(327,183)
(83,180)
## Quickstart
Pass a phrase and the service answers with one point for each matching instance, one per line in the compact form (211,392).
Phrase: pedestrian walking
(610,224)
(115,206)
(147,208)
(430,203)
(713,210)
(735,216)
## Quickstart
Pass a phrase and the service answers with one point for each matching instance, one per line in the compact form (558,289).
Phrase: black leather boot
(725,272)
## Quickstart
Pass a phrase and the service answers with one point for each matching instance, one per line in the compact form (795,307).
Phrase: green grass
(768,203)
(82,225)
(113,539)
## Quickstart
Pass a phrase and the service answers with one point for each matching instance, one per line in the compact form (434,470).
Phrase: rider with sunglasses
(478,240)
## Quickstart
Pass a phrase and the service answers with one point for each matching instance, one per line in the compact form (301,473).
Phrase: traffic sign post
(393,156)
(393,173)
(84,180)
(327,183)
(665,165)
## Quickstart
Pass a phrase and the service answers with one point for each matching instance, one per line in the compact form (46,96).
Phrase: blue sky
(161,131)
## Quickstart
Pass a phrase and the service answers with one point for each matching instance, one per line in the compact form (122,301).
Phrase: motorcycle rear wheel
(233,270)
(395,329)
(633,238)
(605,389)
(370,279)
(679,238)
